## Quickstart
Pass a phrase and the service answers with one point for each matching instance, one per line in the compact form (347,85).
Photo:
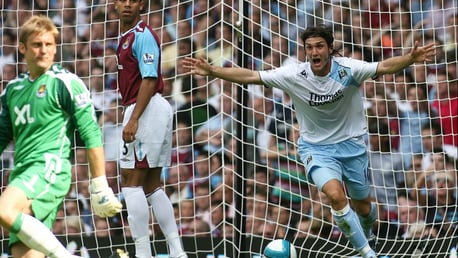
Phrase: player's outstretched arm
(239,75)
(417,55)
(103,201)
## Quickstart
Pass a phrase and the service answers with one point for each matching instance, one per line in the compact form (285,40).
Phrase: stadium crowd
(412,116)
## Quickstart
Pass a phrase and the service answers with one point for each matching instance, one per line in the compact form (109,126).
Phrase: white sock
(34,234)
(163,212)
(138,217)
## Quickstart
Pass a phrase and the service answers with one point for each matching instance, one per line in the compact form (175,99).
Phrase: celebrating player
(329,109)
(39,111)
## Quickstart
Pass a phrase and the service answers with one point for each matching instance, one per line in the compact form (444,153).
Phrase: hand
(423,54)
(104,202)
(198,66)
(129,131)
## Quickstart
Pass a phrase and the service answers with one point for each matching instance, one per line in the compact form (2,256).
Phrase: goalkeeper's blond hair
(37,24)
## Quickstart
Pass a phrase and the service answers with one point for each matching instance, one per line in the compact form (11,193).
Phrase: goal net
(236,181)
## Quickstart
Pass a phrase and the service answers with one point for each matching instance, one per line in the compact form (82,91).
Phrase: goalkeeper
(40,111)
(329,109)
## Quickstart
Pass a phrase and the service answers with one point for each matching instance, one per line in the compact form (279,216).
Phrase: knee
(7,216)
(363,207)
(336,197)
(335,193)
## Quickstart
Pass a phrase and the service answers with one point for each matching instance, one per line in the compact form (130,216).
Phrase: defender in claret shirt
(332,122)
(147,132)
(40,110)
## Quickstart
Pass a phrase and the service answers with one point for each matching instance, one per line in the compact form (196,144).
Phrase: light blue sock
(348,222)
(368,222)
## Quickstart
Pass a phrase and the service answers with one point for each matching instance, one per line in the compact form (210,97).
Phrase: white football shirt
(329,109)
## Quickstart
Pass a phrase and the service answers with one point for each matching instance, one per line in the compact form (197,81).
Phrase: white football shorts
(152,146)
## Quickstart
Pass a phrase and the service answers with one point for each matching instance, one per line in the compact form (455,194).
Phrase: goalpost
(236,180)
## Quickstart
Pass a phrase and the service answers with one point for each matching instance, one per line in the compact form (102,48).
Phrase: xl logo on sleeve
(23,115)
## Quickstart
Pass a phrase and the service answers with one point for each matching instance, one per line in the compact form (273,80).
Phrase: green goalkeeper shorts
(46,188)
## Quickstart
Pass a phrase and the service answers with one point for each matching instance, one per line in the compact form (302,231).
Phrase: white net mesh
(412,122)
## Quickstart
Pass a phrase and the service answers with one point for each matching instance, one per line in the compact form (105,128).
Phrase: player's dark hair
(322,31)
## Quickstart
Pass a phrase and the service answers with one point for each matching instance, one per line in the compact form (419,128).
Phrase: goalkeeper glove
(103,201)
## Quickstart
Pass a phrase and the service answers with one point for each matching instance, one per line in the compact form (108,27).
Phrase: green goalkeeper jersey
(40,116)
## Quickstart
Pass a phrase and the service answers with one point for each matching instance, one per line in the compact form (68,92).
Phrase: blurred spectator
(207,169)
(66,14)
(102,227)
(75,226)
(337,14)
(222,50)
(308,227)
(451,65)
(185,215)
(431,139)
(216,217)
(257,213)
(80,167)
(385,111)
(111,123)
(180,72)
(113,176)
(200,229)
(294,19)
(102,98)
(59,225)
(435,16)
(451,43)
(283,117)
(178,186)
(262,179)
(9,72)
(402,83)
(401,19)
(441,161)
(435,192)
(290,185)
(410,222)
(9,54)
(297,53)
(78,215)
(174,13)
(225,192)
(261,112)
(283,218)
(411,219)
(412,121)
(385,167)
(202,199)
(445,105)
(412,174)
(210,135)
(377,14)
(270,23)
(68,39)
(182,147)
(194,108)
(180,47)
(110,65)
